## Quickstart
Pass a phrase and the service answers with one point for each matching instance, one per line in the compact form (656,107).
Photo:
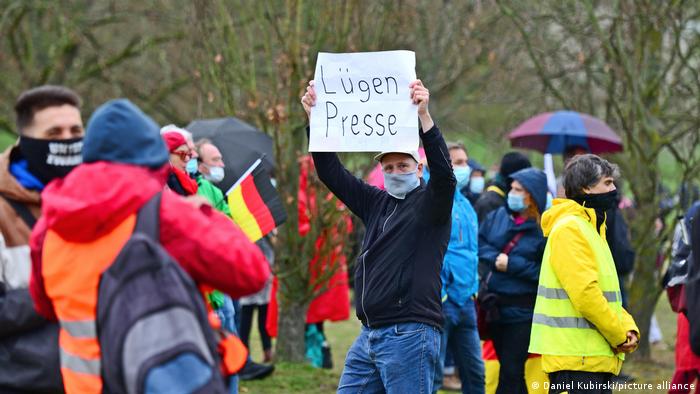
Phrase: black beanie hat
(513,162)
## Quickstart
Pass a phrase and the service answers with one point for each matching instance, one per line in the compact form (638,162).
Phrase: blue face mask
(549,201)
(516,202)
(476,184)
(462,175)
(398,185)
(191,166)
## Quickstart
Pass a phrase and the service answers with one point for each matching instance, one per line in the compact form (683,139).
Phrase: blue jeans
(400,358)
(462,336)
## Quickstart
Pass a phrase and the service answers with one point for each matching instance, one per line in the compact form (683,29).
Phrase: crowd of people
(122,214)
(121,269)
(530,273)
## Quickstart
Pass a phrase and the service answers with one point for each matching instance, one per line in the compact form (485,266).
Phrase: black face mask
(599,202)
(51,159)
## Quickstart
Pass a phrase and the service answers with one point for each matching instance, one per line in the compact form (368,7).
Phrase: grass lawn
(661,368)
(292,378)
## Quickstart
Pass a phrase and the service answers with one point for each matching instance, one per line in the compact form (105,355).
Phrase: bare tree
(100,49)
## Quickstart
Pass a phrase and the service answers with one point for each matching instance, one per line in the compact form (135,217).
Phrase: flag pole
(245,175)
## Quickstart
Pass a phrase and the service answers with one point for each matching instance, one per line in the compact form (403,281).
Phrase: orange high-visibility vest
(71,273)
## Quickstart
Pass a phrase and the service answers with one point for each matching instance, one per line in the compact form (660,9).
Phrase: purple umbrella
(553,132)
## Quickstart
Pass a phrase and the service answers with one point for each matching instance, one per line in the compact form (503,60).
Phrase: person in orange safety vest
(88,216)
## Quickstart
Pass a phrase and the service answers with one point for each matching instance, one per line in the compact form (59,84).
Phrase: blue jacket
(523,271)
(459,269)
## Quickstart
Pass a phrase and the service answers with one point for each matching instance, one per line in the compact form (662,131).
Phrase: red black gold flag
(254,203)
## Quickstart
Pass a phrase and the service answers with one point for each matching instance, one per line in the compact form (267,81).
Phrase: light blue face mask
(476,184)
(516,202)
(191,166)
(549,201)
(398,185)
(462,174)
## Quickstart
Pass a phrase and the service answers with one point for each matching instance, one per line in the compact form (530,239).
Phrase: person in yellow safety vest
(579,325)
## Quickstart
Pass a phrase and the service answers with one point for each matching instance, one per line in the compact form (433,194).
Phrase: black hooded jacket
(491,199)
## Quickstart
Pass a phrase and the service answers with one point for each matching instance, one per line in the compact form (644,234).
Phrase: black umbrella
(240,144)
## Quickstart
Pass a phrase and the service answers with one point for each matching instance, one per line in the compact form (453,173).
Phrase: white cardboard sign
(363,102)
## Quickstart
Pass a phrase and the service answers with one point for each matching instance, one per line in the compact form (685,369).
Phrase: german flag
(254,203)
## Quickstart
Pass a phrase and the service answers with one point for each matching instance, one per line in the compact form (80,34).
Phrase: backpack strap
(22,211)
(148,219)
(510,245)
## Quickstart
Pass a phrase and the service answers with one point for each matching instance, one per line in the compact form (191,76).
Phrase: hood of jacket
(562,207)
(535,182)
(96,197)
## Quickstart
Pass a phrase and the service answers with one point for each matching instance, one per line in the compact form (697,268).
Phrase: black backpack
(151,320)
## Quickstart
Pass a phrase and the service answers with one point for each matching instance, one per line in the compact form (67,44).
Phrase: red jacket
(96,197)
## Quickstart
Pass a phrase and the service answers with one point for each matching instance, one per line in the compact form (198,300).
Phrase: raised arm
(357,195)
(442,179)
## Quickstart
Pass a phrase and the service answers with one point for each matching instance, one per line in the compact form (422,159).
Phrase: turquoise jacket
(459,269)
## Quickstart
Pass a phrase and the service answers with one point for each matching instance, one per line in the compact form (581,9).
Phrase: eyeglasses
(184,156)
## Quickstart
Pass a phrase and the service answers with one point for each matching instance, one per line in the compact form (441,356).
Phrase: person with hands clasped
(397,279)
(511,245)
(579,324)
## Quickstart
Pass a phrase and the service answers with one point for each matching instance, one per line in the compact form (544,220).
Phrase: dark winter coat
(517,286)
(693,282)
(617,235)
(523,270)
(491,199)
(29,347)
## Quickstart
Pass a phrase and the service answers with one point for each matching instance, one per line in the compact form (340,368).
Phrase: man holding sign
(397,280)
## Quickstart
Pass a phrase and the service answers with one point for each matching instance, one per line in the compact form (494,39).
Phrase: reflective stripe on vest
(80,329)
(557,327)
(561,322)
(79,364)
(71,272)
(560,294)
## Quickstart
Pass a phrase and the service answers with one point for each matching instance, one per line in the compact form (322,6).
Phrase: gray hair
(171,127)
(585,171)
(199,144)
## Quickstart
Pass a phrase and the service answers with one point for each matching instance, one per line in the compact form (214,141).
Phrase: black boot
(252,371)
(327,358)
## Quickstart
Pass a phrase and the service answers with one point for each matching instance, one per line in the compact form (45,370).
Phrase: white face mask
(216,174)
(398,185)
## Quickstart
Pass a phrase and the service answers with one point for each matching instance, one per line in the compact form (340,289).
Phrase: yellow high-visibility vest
(557,327)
